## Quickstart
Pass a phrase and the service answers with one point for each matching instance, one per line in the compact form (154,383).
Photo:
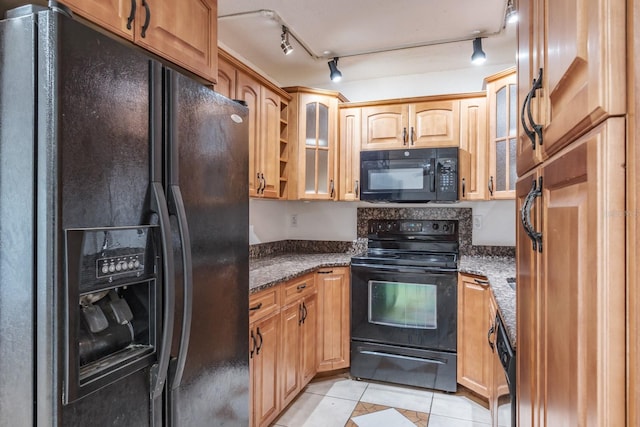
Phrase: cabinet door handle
(357,189)
(256,307)
(259,345)
(412,136)
(255,344)
(492,329)
(332,187)
(300,315)
(537,84)
(464,185)
(304,312)
(490,186)
(483,283)
(147,19)
(525,214)
(404,136)
(132,15)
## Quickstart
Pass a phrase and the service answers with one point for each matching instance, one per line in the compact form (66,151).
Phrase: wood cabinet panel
(248,90)
(475,359)
(269,154)
(226,84)
(349,152)
(264,344)
(289,371)
(185,32)
(385,127)
(434,124)
(333,343)
(473,149)
(309,339)
(116,16)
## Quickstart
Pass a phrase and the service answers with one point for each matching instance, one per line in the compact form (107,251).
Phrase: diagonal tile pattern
(342,402)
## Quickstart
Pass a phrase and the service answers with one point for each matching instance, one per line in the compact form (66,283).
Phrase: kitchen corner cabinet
(264,350)
(184,32)
(475,318)
(473,148)
(431,123)
(349,153)
(502,99)
(313,138)
(334,314)
(499,396)
(298,349)
(571,284)
(268,126)
(581,81)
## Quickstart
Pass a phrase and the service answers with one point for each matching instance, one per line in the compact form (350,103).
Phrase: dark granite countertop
(268,271)
(497,270)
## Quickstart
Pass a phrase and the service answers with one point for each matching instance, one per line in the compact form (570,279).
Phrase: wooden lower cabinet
(578,309)
(334,314)
(263,368)
(475,359)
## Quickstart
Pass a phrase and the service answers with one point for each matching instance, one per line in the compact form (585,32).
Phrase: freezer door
(207,160)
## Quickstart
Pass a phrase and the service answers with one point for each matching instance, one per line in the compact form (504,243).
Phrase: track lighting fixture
(478,56)
(284,41)
(512,14)
(334,74)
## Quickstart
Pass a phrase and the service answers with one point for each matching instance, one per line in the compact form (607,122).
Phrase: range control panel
(408,227)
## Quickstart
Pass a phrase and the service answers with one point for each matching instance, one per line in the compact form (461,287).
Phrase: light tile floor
(339,401)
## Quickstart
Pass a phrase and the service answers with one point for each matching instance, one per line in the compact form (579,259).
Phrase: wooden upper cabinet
(269,158)
(385,127)
(248,90)
(502,100)
(184,32)
(117,16)
(411,125)
(349,152)
(313,140)
(473,149)
(226,83)
(580,47)
(434,124)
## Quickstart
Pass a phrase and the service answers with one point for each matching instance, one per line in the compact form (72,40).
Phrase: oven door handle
(403,357)
(404,269)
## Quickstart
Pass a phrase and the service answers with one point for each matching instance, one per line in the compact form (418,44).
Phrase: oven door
(404,306)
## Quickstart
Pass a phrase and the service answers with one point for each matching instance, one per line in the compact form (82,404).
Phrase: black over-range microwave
(413,175)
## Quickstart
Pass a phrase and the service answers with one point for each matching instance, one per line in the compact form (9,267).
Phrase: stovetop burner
(420,243)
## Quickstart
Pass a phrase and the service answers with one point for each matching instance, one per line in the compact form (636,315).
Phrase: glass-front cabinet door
(503,134)
(315,141)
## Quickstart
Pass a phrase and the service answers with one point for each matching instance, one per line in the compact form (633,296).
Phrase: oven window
(406,305)
(396,179)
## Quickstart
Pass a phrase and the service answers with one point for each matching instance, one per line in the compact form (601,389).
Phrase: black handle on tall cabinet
(537,84)
(147,19)
(525,215)
(176,208)
(132,14)
(159,369)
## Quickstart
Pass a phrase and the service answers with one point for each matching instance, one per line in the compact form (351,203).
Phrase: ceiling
(406,36)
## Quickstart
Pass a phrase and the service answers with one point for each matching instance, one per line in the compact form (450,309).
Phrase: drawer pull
(325,272)
(301,287)
(256,307)
(481,282)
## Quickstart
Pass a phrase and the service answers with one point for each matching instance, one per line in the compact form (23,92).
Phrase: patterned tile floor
(339,401)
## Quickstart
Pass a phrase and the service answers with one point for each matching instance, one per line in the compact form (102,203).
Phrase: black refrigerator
(123,235)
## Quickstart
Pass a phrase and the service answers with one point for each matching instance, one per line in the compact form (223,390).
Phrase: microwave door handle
(432,180)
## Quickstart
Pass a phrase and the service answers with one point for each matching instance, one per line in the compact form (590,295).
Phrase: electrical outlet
(477,222)
(293,220)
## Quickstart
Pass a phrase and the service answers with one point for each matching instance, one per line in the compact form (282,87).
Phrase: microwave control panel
(448,175)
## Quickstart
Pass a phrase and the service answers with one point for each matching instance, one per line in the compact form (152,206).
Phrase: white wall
(494,221)
(407,86)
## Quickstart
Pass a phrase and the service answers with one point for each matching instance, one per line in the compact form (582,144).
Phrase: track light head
(478,57)
(334,73)
(284,41)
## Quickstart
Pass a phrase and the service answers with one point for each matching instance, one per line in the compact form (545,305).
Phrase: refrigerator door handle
(176,204)
(159,370)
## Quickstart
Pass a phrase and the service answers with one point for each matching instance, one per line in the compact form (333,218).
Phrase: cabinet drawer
(264,303)
(298,288)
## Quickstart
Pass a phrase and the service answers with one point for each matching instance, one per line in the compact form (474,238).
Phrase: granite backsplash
(462,215)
